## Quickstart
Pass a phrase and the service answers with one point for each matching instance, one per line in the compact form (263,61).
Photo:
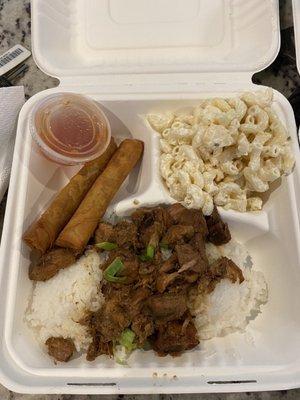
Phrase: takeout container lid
(133,38)
(136,50)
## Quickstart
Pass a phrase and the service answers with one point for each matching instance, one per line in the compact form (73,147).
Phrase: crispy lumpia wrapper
(82,225)
(43,232)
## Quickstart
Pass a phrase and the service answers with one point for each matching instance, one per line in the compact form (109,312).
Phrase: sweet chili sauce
(70,128)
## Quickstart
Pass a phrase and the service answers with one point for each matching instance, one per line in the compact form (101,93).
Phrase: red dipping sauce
(70,128)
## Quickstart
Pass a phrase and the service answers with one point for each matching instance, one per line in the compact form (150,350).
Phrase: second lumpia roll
(82,225)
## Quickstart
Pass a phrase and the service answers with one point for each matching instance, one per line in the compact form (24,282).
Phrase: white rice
(231,305)
(57,305)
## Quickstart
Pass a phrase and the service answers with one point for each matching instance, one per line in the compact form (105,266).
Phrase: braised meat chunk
(50,263)
(60,349)
(184,216)
(218,231)
(152,223)
(104,233)
(150,235)
(169,264)
(174,337)
(146,216)
(164,280)
(178,234)
(190,259)
(226,268)
(198,243)
(131,269)
(166,306)
(126,234)
(106,324)
(223,268)
(143,327)
(97,348)
(111,320)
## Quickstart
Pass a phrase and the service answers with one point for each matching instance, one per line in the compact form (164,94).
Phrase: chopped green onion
(123,346)
(113,269)
(163,246)
(106,246)
(126,339)
(150,251)
(149,254)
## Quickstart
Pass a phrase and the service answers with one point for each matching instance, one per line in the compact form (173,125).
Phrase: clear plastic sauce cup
(70,128)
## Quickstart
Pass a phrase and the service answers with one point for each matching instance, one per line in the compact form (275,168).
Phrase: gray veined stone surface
(15,27)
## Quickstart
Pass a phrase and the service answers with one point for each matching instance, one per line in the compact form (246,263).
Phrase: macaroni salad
(223,151)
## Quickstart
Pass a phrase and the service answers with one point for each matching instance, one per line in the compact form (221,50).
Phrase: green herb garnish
(150,251)
(123,346)
(126,339)
(110,274)
(106,246)
(149,254)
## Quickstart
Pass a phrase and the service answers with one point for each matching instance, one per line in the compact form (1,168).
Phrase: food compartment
(262,347)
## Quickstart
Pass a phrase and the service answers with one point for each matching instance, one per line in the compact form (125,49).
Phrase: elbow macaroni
(222,151)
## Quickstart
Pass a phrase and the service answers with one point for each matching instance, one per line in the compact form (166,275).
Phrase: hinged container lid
(73,38)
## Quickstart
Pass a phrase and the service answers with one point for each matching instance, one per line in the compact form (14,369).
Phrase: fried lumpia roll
(43,232)
(82,225)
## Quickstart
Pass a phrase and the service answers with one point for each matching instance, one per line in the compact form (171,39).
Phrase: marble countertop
(15,27)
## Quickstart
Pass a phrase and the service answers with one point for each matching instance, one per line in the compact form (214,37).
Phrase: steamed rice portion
(231,305)
(57,305)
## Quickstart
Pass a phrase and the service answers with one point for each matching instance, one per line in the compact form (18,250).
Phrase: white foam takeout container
(135,57)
